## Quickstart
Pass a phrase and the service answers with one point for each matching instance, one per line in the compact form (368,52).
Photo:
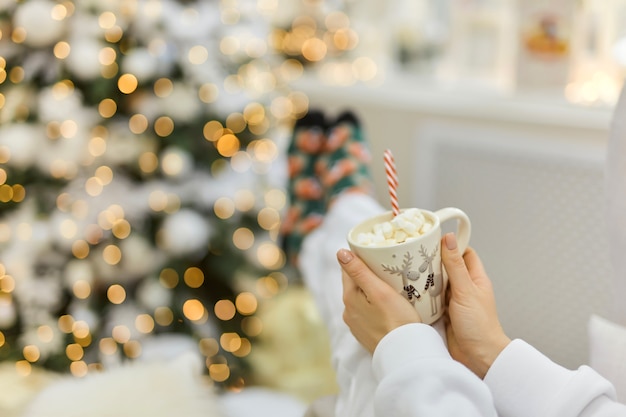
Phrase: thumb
(458,275)
(358,272)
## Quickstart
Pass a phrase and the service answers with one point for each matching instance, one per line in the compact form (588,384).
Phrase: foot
(306,193)
(344,165)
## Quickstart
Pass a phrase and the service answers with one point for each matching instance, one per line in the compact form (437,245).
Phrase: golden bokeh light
(275,198)
(229,45)
(16,75)
(107,20)
(19,193)
(80,329)
(45,333)
(116,294)
(66,323)
(7,283)
(224,208)
(164,316)
(121,229)
(164,126)
(236,122)
(169,278)
(132,349)
(127,83)
(194,310)
(213,130)
(23,368)
(74,352)
(144,323)
(208,93)
(107,346)
(314,49)
(268,218)
(163,87)
(224,310)
(112,254)
(265,150)
(252,326)
(79,369)
(59,12)
(97,146)
(107,108)
(121,334)
(270,256)
(31,353)
(246,303)
(245,347)
(80,249)
(148,162)
(198,54)
(61,50)
(228,145)
(230,342)
(138,123)
(94,186)
(68,228)
(243,238)
(219,372)
(193,277)
(107,56)
(81,289)
(208,347)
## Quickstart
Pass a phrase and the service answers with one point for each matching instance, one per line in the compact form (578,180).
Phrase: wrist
(489,353)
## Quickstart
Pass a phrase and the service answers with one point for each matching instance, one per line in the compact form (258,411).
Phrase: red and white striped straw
(392,181)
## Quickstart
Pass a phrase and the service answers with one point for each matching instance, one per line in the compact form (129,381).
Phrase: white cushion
(607,352)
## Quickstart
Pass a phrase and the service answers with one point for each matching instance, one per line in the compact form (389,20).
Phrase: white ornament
(151,294)
(83,60)
(23,141)
(7,313)
(141,63)
(182,104)
(139,256)
(184,233)
(176,163)
(35,17)
(78,270)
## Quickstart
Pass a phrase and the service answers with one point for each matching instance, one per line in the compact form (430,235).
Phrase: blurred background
(142,167)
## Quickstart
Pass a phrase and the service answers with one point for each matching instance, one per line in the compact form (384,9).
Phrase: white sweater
(412,373)
(522,382)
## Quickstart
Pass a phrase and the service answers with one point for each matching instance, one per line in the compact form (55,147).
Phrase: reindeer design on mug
(407,274)
(434,283)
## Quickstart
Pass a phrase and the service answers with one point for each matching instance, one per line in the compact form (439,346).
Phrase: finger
(458,275)
(474,266)
(356,270)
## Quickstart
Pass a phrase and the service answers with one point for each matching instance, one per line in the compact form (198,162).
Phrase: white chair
(607,336)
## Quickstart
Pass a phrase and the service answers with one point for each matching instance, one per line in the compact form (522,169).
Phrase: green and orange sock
(305,192)
(344,164)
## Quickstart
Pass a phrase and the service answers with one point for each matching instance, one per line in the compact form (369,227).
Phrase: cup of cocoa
(404,249)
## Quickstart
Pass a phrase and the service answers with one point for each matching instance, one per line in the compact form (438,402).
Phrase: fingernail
(450,239)
(344,256)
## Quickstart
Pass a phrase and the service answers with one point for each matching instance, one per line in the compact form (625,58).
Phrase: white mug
(414,267)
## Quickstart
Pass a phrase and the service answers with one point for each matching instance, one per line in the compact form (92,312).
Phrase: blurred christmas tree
(137,197)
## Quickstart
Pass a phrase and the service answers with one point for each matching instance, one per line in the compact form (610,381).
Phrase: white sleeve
(418,377)
(524,382)
(322,274)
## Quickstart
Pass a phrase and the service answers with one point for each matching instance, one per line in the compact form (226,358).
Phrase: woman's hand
(475,336)
(372,307)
